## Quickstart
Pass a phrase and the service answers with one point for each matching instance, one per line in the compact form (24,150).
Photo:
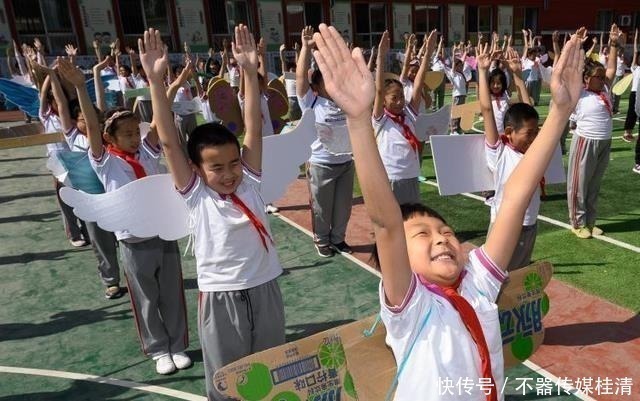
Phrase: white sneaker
(181,360)
(164,364)
(271,209)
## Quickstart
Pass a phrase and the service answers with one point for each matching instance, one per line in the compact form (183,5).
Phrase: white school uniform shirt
(635,70)
(234,76)
(126,83)
(328,117)
(228,249)
(593,118)
(140,82)
(437,64)
(398,157)
(458,81)
(267,126)
(533,67)
(407,89)
(502,159)
(500,106)
(52,124)
(621,67)
(115,172)
(444,348)
(76,140)
(290,87)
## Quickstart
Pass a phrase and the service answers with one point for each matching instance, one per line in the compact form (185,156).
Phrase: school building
(205,23)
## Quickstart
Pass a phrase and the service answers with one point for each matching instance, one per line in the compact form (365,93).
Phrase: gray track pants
(154,279)
(588,160)
(331,189)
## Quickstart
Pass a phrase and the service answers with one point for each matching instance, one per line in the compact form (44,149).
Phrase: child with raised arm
(152,265)
(240,309)
(434,304)
(394,125)
(505,149)
(330,175)
(591,143)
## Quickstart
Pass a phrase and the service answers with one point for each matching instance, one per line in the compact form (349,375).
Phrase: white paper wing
(461,166)
(334,138)
(433,123)
(146,207)
(186,107)
(283,154)
(113,85)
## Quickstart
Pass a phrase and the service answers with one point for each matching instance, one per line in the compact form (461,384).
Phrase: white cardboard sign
(461,166)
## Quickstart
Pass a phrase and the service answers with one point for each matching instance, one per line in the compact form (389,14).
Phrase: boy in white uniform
(240,309)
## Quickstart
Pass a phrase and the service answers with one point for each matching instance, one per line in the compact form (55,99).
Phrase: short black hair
(113,127)
(208,135)
(408,211)
(391,81)
(518,113)
(316,79)
(497,72)
(75,110)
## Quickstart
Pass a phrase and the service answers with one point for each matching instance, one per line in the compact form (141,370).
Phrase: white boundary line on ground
(104,380)
(555,222)
(539,370)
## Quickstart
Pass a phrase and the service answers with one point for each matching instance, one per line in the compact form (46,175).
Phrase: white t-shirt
(635,70)
(621,67)
(502,159)
(115,172)
(228,249)
(76,140)
(593,116)
(290,87)
(328,117)
(52,124)
(531,69)
(437,64)
(267,126)
(398,157)
(407,88)
(234,76)
(126,83)
(500,106)
(444,349)
(458,81)
(140,82)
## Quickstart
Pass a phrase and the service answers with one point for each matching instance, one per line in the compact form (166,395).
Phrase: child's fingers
(358,58)
(342,46)
(323,53)
(140,47)
(331,43)
(327,73)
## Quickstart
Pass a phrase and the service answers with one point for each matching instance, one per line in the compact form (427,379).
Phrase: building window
(301,14)
(427,18)
(138,15)
(524,18)
(225,15)
(479,19)
(605,19)
(54,31)
(370,23)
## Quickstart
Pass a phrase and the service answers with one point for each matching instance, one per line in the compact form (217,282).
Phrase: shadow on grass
(293,207)
(40,218)
(61,322)
(308,329)
(28,257)
(24,175)
(35,194)
(593,333)
(623,226)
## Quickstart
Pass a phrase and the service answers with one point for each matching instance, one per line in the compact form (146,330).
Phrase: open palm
(244,48)
(153,56)
(566,80)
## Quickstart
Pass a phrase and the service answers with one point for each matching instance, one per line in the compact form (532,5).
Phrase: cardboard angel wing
(224,104)
(352,362)
(278,104)
(466,113)
(135,207)
(623,85)
(433,123)
(433,79)
(461,165)
(27,97)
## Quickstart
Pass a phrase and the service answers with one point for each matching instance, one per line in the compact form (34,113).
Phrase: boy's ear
(508,130)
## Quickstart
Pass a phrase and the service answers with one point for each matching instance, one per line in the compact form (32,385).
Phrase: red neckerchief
(471,322)
(406,130)
(129,158)
(497,98)
(604,99)
(257,224)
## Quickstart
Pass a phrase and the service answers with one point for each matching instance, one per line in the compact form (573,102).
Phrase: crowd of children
(240,307)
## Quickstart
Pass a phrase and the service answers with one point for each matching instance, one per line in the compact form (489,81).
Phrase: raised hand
(513,61)
(261,46)
(296,46)
(566,80)
(186,48)
(346,76)
(38,45)
(130,51)
(431,41)
(101,65)
(70,73)
(70,50)
(153,56)
(282,48)
(307,36)
(244,49)
(555,37)
(385,44)
(614,34)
